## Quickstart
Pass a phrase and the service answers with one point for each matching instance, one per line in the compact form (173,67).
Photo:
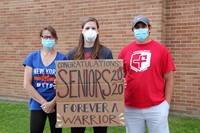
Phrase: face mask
(90,35)
(48,44)
(141,34)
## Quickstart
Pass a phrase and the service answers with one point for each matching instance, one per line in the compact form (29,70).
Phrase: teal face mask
(48,44)
(141,34)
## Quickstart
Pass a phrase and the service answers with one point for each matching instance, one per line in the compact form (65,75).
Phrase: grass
(14,118)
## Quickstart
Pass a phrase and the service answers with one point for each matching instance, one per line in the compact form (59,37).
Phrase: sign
(90,93)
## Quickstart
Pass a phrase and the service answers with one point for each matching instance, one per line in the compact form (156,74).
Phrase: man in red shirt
(148,68)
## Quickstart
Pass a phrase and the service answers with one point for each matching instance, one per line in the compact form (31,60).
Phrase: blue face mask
(48,44)
(141,34)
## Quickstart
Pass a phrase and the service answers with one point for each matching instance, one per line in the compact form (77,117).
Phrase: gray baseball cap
(140,18)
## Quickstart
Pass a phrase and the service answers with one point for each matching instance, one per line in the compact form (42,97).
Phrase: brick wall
(174,23)
(183,40)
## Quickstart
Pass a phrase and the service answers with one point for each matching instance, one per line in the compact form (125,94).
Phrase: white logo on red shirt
(140,60)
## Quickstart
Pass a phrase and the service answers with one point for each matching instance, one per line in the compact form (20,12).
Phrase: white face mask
(90,35)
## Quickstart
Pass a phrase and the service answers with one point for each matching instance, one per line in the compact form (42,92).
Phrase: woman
(39,76)
(89,48)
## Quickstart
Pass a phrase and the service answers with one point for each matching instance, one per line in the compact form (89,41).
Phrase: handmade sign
(90,93)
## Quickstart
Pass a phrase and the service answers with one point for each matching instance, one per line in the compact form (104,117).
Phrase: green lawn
(14,118)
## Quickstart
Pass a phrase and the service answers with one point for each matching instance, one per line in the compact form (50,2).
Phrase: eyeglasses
(48,37)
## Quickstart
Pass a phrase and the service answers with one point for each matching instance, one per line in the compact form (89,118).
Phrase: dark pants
(82,129)
(38,119)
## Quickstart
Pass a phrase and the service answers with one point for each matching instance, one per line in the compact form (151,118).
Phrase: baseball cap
(140,18)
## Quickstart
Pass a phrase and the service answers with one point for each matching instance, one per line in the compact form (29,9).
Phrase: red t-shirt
(144,67)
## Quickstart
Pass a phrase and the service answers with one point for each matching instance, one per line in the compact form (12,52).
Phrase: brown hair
(50,29)
(96,50)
